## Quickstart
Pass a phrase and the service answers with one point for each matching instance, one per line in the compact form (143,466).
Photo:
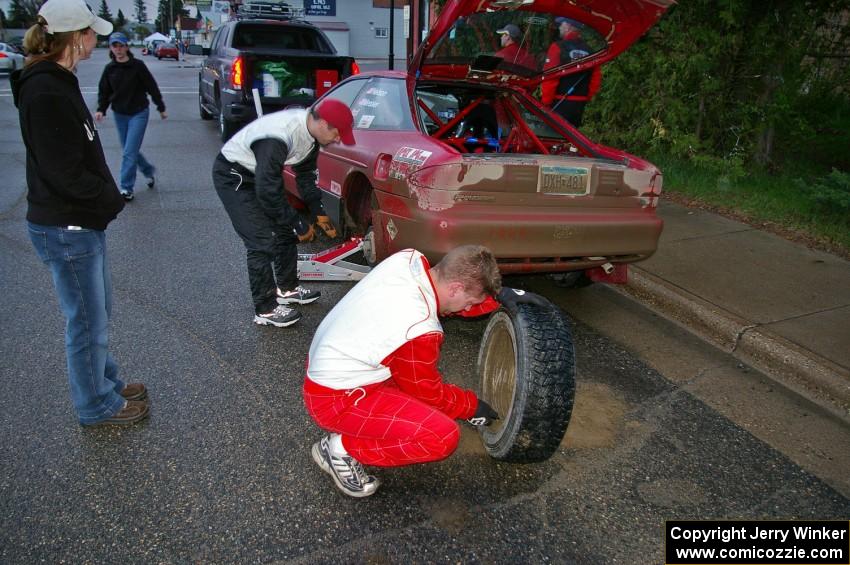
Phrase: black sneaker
(348,473)
(279,317)
(128,195)
(152,181)
(298,295)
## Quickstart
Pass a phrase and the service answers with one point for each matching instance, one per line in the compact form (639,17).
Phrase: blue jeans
(80,269)
(131,132)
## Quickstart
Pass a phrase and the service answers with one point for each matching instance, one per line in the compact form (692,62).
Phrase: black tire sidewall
(533,429)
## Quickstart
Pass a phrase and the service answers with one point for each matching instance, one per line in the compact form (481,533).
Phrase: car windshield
(279,37)
(515,41)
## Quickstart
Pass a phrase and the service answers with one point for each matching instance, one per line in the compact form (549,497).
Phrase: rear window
(279,37)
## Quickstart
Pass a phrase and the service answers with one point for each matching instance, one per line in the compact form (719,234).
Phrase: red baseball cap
(338,116)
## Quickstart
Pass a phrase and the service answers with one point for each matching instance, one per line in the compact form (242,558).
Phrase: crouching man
(372,378)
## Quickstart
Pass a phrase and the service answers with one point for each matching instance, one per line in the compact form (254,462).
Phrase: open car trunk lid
(464,42)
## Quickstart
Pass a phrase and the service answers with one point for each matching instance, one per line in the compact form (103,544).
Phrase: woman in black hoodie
(71,198)
(125,84)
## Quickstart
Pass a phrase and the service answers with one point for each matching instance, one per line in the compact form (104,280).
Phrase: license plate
(574,181)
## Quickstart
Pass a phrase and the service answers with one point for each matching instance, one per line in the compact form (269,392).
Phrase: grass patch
(789,200)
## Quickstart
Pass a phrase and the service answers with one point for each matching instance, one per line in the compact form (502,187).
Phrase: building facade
(357,28)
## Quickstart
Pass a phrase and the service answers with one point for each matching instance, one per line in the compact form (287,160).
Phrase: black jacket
(67,176)
(125,86)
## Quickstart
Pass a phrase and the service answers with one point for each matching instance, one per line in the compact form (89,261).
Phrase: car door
(335,162)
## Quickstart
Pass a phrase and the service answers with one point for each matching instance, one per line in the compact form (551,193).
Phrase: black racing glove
(484,415)
(303,230)
(512,297)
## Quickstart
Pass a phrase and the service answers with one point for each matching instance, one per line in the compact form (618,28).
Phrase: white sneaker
(298,295)
(348,473)
(280,317)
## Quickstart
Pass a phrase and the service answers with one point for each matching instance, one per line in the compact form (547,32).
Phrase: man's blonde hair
(472,265)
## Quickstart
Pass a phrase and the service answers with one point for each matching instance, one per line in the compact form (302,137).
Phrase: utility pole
(392,33)
(171,10)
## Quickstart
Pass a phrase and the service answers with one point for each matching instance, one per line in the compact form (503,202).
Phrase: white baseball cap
(72,15)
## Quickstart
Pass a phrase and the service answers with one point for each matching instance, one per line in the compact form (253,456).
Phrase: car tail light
(382,166)
(2,55)
(654,189)
(355,68)
(236,73)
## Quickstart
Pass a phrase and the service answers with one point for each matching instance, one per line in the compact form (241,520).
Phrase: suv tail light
(355,68)
(236,72)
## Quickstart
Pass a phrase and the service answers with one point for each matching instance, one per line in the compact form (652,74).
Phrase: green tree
(120,20)
(23,13)
(731,82)
(141,11)
(167,13)
(104,11)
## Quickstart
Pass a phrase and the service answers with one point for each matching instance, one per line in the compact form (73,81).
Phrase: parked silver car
(10,58)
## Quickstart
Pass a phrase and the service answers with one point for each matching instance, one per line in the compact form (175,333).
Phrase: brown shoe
(134,391)
(132,412)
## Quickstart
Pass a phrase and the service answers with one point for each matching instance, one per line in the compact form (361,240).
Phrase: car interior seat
(480,122)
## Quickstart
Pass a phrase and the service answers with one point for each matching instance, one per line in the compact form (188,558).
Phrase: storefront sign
(320,7)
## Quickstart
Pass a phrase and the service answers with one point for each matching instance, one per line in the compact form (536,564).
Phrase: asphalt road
(664,427)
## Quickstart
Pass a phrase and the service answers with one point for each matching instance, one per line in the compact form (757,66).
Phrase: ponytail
(43,46)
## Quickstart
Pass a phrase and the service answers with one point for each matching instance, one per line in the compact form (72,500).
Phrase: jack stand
(328,265)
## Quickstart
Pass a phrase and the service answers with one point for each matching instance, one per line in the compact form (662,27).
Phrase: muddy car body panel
(444,159)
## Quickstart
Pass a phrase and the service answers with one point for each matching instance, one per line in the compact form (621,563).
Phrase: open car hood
(464,42)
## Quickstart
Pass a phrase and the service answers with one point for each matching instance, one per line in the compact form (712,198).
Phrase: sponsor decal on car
(336,188)
(391,229)
(407,160)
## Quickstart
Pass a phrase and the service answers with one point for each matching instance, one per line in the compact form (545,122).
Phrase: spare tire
(526,366)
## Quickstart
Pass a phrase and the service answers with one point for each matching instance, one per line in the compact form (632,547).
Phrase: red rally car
(457,150)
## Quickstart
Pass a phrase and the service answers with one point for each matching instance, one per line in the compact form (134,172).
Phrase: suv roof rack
(268,10)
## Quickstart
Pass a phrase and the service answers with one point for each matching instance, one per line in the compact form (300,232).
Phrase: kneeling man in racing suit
(372,377)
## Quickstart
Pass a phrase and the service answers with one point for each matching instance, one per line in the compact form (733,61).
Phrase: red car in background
(457,150)
(167,50)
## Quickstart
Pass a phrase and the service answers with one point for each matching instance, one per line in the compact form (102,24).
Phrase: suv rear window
(250,36)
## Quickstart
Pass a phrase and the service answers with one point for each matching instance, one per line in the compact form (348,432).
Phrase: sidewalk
(775,305)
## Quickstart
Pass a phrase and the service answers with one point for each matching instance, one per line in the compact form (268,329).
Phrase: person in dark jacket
(71,198)
(248,178)
(125,84)
(569,95)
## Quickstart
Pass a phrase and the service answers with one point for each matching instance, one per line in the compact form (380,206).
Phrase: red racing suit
(372,372)
(569,94)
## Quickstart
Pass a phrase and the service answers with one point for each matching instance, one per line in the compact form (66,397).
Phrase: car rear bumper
(524,239)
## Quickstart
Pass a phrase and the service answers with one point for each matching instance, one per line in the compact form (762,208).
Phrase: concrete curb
(803,371)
